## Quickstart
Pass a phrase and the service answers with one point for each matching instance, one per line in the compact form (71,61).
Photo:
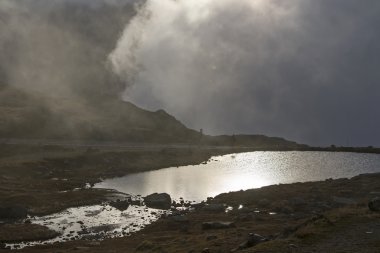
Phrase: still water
(244,171)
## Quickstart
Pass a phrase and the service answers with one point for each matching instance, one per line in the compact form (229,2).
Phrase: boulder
(217,225)
(121,205)
(158,201)
(374,204)
(13,213)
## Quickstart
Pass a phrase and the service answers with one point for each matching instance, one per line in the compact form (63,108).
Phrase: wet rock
(121,205)
(374,204)
(217,225)
(253,240)
(158,201)
(12,213)
(214,208)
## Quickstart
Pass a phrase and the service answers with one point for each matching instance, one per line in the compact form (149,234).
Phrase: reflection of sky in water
(87,222)
(245,171)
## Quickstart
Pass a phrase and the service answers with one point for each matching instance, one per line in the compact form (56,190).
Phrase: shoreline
(298,217)
(49,179)
(43,180)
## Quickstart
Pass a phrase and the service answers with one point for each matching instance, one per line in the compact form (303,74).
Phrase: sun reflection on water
(244,171)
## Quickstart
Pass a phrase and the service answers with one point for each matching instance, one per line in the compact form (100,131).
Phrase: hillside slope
(26,116)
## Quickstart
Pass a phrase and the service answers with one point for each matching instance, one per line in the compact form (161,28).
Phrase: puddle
(93,223)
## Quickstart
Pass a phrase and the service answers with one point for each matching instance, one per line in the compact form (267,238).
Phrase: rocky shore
(328,216)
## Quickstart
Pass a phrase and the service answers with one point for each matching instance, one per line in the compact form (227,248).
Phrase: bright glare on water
(244,171)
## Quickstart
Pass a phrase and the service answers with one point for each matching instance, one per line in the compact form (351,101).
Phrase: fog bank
(305,70)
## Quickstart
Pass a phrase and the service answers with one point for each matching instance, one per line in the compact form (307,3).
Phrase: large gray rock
(121,205)
(158,201)
(13,213)
(374,204)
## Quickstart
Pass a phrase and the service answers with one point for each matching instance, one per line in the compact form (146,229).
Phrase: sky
(306,70)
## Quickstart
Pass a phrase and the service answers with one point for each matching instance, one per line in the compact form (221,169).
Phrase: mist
(304,70)
(53,64)
(56,48)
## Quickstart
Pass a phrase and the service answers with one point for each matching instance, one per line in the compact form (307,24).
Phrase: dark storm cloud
(306,70)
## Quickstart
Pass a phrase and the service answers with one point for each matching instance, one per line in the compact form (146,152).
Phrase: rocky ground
(327,216)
